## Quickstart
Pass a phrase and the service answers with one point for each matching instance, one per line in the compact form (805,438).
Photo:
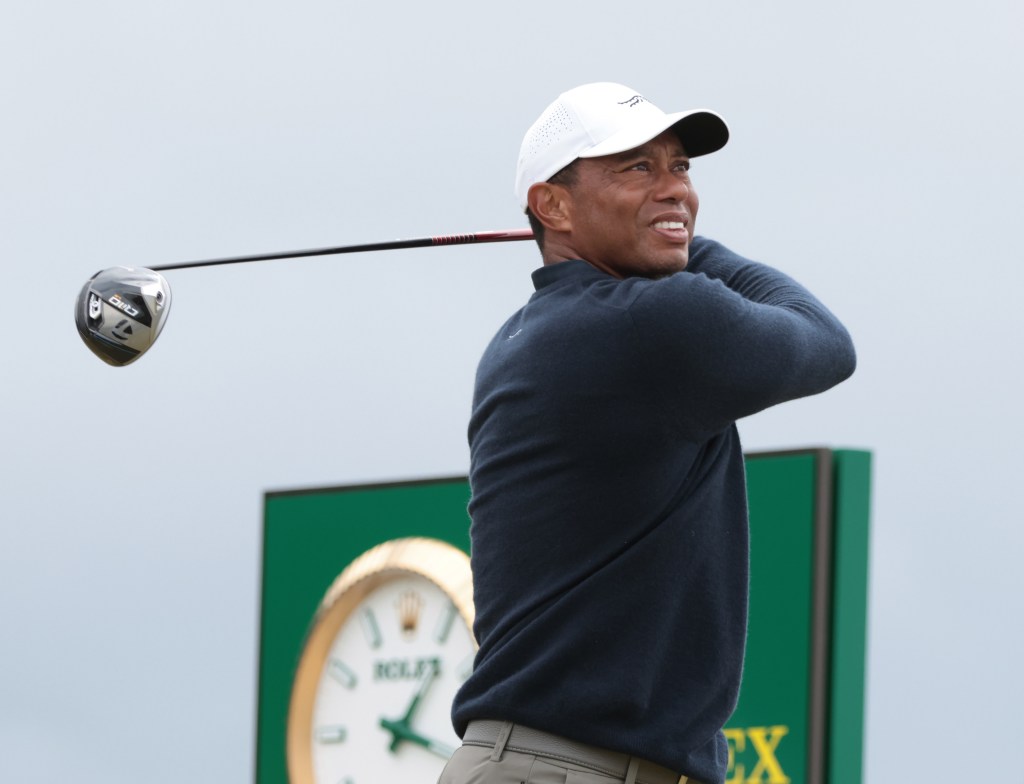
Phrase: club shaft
(510,235)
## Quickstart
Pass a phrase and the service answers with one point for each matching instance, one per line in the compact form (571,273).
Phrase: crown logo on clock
(409,605)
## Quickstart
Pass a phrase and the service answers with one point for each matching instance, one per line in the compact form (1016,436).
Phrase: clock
(390,644)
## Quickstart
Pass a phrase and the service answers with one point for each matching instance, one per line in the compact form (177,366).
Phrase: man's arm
(730,337)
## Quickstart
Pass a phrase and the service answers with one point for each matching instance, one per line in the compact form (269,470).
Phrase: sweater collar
(573,269)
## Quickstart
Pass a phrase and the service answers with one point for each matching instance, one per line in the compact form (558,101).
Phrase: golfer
(609,511)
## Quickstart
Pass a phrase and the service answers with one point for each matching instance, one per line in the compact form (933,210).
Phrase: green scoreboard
(801,711)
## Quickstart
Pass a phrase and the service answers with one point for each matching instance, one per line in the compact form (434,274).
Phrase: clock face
(372,700)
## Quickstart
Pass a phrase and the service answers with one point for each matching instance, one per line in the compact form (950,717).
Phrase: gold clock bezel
(443,564)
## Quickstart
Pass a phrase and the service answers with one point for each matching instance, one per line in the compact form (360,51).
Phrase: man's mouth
(676,230)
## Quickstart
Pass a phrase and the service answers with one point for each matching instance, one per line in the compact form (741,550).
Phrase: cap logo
(636,100)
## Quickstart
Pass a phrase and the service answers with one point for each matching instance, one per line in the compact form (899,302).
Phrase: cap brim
(701,132)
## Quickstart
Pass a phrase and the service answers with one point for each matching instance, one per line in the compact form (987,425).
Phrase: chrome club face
(120,312)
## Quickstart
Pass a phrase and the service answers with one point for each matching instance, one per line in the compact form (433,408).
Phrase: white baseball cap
(603,119)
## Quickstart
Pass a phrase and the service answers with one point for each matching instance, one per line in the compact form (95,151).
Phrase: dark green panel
(850,613)
(776,686)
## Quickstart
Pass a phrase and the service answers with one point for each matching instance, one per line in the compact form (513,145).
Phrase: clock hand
(425,683)
(401,730)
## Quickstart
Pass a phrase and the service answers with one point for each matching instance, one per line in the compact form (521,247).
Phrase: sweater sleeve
(729,337)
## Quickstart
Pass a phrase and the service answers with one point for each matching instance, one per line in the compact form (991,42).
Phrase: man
(609,517)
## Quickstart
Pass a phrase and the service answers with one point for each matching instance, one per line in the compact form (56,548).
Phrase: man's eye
(640,167)
(683,166)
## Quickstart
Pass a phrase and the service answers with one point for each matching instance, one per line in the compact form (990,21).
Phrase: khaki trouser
(503,753)
(473,765)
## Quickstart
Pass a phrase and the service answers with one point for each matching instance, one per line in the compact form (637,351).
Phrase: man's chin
(658,264)
(665,264)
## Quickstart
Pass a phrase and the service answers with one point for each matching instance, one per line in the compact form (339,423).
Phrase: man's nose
(671,185)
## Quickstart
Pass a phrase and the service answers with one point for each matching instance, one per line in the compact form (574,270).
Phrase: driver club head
(120,312)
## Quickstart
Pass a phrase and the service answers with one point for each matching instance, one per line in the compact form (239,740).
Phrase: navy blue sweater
(609,515)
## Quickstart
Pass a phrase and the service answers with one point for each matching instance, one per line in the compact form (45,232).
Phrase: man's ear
(551,205)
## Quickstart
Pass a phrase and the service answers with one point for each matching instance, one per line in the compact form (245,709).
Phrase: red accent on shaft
(483,236)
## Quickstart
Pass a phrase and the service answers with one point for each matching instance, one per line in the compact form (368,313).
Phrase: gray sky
(875,156)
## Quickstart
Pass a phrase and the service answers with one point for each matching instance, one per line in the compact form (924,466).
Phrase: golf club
(120,311)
